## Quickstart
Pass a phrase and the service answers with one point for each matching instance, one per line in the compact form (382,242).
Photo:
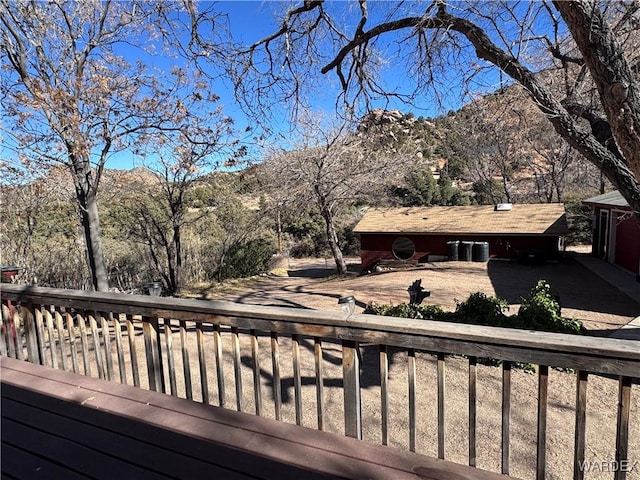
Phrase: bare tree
(595,79)
(332,168)
(557,168)
(179,160)
(70,97)
(490,148)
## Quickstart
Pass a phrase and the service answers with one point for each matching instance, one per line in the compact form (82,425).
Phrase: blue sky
(251,21)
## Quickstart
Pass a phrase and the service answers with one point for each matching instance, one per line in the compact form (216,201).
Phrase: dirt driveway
(312,283)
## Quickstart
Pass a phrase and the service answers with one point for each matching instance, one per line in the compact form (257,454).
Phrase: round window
(403,248)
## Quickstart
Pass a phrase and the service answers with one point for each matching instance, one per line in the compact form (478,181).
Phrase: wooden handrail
(594,354)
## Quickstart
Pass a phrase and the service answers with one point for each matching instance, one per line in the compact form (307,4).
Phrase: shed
(421,234)
(616,231)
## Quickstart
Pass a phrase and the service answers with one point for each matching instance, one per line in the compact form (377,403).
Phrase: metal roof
(522,219)
(614,199)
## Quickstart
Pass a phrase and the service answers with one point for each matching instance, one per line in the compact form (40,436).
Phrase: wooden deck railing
(184,347)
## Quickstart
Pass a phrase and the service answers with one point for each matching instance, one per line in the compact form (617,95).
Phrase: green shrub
(480,309)
(425,312)
(247,259)
(541,311)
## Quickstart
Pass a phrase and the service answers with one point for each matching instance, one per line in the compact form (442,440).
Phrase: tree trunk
(279,230)
(220,265)
(171,267)
(332,237)
(93,239)
(175,261)
(618,89)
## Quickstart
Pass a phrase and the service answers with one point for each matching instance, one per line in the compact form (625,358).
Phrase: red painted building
(421,234)
(616,231)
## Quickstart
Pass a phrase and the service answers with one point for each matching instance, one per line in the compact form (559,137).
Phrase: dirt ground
(312,284)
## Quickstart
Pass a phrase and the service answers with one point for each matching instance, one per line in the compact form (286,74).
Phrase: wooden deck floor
(57,424)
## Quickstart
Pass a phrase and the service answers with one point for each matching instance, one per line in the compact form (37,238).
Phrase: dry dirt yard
(312,284)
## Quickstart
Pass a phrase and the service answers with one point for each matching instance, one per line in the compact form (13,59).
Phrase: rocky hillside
(499,147)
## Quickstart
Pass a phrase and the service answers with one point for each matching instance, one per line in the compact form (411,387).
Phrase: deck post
(581,419)
(351,380)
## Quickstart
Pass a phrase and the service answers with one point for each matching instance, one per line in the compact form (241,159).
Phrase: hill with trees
(184,225)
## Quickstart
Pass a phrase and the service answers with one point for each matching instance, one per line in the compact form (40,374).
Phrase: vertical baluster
(30,333)
(581,417)
(150,330)
(411,367)
(237,367)
(40,333)
(441,405)
(186,367)
(4,338)
(53,350)
(217,343)
(72,342)
(473,376)
(84,341)
(17,338)
(133,352)
(61,340)
(297,380)
(204,381)
(158,326)
(168,338)
(106,336)
(7,327)
(97,346)
(506,415)
(317,353)
(257,391)
(541,456)
(117,328)
(275,363)
(622,430)
(384,394)
(4,332)
(351,382)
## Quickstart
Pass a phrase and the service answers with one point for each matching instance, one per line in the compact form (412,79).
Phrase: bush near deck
(540,310)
